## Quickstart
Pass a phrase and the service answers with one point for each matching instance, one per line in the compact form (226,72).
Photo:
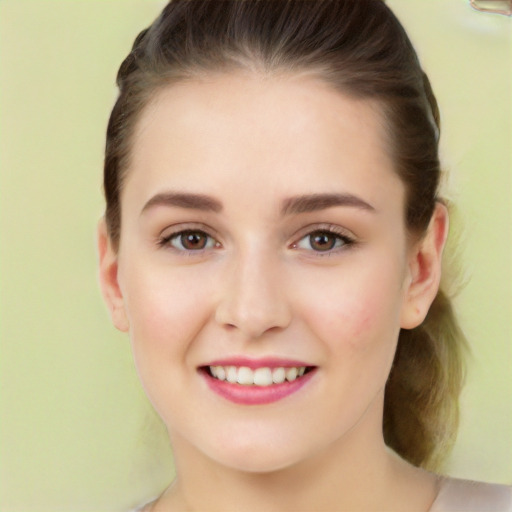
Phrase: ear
(108,276)
(424,270)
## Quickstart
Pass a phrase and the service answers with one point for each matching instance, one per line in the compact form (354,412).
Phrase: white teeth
(278,375)
(231,374)
(220,373)
(245,376)
(264,376)
(291,374)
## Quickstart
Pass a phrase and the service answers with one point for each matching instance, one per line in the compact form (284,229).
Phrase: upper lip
(265,362)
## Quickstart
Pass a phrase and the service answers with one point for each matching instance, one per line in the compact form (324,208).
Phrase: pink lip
(256,395)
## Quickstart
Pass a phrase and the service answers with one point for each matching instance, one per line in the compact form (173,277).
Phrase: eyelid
(344,234)
(171,229)
(170,232)
(325,226)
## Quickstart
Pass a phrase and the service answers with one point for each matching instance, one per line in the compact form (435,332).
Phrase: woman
(272,243)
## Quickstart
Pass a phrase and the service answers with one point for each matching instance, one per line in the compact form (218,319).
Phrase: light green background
(76,431)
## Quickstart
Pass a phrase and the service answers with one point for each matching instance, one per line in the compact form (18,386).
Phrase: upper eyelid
(176,229)
(326,227)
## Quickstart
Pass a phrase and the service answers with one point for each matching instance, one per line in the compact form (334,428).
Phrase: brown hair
(361,49)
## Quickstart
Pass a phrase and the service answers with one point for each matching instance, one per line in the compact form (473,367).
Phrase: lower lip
(255,395)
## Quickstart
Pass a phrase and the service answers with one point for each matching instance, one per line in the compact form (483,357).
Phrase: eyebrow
(292,205)
(184,200)
(314,202)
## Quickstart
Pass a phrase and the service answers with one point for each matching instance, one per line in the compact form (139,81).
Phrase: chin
(259,456)
(261,463)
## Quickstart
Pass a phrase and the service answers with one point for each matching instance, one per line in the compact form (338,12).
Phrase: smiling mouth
(259,377)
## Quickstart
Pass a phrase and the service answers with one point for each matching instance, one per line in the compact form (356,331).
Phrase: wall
(77,432)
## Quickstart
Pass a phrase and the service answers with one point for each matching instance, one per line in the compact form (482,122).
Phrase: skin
(250,142)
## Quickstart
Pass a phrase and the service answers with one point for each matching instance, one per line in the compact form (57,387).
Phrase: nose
(253,298)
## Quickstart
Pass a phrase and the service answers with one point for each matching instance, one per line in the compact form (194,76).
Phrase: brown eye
(191,241)
(322,241)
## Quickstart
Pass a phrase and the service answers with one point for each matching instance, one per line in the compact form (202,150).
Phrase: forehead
(261,133)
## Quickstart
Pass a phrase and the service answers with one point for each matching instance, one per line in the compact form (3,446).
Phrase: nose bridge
(254,299)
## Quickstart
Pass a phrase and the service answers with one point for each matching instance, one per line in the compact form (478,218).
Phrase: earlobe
(108,277)
(425,270)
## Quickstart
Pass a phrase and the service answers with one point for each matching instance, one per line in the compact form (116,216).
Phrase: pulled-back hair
(360,49)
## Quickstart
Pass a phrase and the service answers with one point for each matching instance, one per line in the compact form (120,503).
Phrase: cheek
(359,310)
(165,309)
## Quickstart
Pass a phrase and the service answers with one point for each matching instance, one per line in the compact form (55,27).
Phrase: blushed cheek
(359,319)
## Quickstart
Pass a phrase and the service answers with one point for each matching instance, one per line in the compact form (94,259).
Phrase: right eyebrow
(183,200)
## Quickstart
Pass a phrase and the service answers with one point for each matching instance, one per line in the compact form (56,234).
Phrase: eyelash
(342,241)
(167,240)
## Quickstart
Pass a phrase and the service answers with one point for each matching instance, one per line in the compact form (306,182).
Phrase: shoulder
(456,495)
(144,508)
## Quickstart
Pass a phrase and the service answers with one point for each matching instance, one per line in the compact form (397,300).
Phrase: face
(263,271)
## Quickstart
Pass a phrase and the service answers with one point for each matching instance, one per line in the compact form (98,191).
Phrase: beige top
(468,496)
(457,495)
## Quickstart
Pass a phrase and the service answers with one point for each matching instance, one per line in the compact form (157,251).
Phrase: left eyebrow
(314,202)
